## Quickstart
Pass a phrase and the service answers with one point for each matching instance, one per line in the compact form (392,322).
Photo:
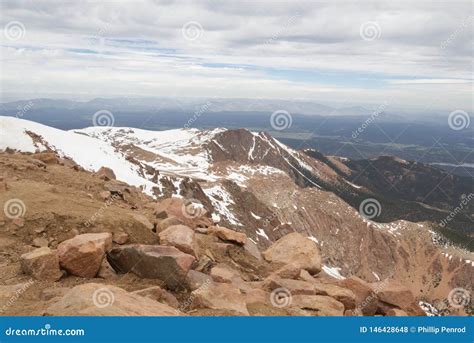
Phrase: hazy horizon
(415,57)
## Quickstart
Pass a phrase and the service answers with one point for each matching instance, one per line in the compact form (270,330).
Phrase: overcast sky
(409,53)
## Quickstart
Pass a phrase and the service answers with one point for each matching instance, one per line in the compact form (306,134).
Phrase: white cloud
(303,50)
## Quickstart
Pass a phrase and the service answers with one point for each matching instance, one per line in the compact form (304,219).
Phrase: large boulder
(82,255)
(106,174)
(220,296)
(196,279)
(366,299)
(320,305)
(341,294)
(171,207)
(224,273)
(295,287)
(394,294)
(181,237)
(94,299)
(154,262)
(228,235)
(167,222)
(42,264)
(296,250)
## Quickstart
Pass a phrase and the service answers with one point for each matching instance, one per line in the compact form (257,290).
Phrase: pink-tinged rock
(106,173)
(366,299)
(19,222)
(181,237)
(120,237)
(220,296)
(293,286)
(319,304)
(153,262)
(297,250)
(82,255)
(94,299)
(106,271)
(229,235)
(224,273)
(42,264)
(395,294)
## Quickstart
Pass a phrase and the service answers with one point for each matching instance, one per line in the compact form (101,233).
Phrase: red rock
(120,237)
(19,222)
(320,304)
(293,286)
(82,255)
(42,264)
(106,173)
(396,294)
(154,262)
(229,235)
(195,279)
(297,250)
(220,296)
(94,299)
(224,273)
(181,237)
(366,299)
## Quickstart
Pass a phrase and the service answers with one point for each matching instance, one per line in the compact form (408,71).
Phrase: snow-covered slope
(176,151)
(147,159)
(88,152)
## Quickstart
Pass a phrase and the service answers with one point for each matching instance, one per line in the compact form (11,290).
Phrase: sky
(411,54)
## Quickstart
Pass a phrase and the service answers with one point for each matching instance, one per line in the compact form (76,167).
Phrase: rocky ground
(75,242)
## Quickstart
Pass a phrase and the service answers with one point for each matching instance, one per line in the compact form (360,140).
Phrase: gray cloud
(90,49)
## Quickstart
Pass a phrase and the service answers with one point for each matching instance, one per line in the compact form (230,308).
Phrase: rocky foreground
(79,243)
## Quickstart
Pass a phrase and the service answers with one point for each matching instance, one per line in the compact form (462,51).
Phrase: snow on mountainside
(90,153)
(154,159)
(252,183)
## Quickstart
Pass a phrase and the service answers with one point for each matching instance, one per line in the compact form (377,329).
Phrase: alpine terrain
(124,221)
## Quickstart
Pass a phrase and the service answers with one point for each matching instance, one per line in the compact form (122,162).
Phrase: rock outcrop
(82,255)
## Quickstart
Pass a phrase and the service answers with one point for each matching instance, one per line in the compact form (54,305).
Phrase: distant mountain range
(187,105)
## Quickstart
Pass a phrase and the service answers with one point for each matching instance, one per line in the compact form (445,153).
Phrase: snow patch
(334,272)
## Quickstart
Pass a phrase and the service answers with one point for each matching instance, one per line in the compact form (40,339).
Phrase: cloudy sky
(414,54)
